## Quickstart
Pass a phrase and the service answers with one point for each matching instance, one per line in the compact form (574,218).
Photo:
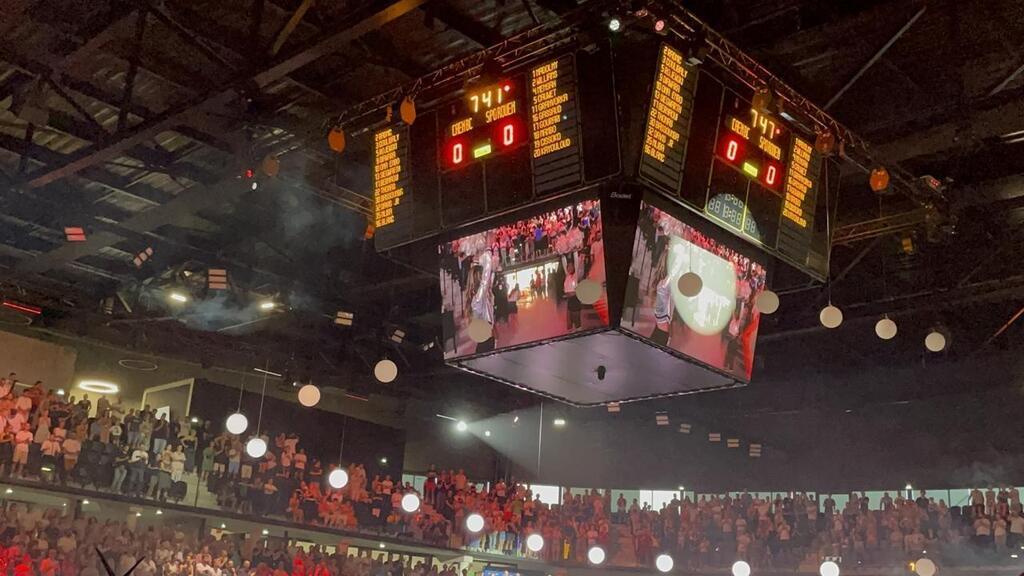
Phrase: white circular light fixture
(831,317)
(588,291)
(461,426)
(475,523)
(338,478)
(740,568)
(664,563)
(925,567)
(98,386)
(935,341)
(535,542)
(480,330)
(410,502)
(256,447)
(596,555)
(886,328)
(236,423)
(767,302)
(615,24)
(828,568)
(385,371)
(309,395)
(690,284)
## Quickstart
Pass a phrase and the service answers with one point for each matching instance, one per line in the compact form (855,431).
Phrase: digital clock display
(485,122)
(756,144)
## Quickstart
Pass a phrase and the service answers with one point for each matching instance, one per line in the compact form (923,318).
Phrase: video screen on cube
(521,280)
(718,325)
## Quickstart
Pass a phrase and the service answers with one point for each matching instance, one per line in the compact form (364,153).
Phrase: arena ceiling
(137,121)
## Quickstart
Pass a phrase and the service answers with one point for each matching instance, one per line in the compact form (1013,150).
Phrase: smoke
(223,312)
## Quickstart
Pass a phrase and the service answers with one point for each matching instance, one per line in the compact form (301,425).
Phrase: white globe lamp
(767,302)
(886,328)
(236,423)
(309,395)
(596,555)
(740,568)
(385,371)
(410,502)
(475,523)
(535,542)
(831,316)
(664,563)
(256,447)
(935,341)
(338,478)
(828,568)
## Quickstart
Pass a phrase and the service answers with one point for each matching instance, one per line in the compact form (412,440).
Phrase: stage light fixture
(831,316)
(336,139)
(159,512)
(740,568)
(559,422)
(338,478)
(267,305)
(410,503)
(194,420)
(382,545)
(384,460)
(98,386)
(407,110)
(535,542)
(178,297)
(664,563)
(217,279)
(596,555)
(74,234)
(660,26)
(85,502)
(265,532)
(487,433)
(61,392)
(309,395)
(615,24)
(614,407)
(474,523)
(935,341)
(142,257)
(398,336)
(256,447)
(879,180)
(828,568)
(236,423)
(886,328)
(767,302)
(461,426)
(690,284)
(343,318)
(385,371)
(909,487)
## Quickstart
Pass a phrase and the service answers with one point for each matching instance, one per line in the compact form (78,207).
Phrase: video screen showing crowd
(521,278)
(718,325)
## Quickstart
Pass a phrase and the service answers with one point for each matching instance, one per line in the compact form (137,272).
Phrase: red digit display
(457,153)
(508,135)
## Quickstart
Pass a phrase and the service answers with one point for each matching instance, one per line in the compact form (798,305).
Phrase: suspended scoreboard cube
(569,204)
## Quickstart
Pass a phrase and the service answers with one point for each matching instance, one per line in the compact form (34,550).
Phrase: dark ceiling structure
(139,121)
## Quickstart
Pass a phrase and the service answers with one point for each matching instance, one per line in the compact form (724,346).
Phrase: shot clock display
(485,122)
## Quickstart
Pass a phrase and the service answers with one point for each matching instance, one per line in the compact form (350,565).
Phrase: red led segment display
(755,146)
(485,122)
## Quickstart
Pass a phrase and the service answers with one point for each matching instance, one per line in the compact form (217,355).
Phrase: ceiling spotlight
(935,341)
(223,526)
(256,447)
(410,502)
(535,542)
(664,563)
(265,532)
(487,433)
(885,328)
(338,478)
(382,545)
(461,426)
(475,523)
(660,26)
(85,502)
(828,568)
(615,24)
(740,568)
(98,386)
(385,371)
(159,512)
(178,297)
(138,514)
(194,420)
(268,305)
(60,392)
(831,316)
(596,555)
(384,460)
(559,422)
(236,423)
(309,395)
(909,486)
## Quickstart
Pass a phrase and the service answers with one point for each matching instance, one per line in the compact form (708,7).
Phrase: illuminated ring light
(740,568)
(138,365)
(664,563)
(475,523)
(338,478)
(535,542)
(236,423)
(99,386)
(410,502)
(829,568)
(256,447)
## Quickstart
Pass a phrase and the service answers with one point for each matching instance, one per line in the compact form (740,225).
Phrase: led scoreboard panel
(743,168)
(390,176)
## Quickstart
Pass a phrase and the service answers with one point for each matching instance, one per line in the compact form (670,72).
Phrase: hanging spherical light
(338,478)
(256,447)
(885,328)
(309,395)
(664,563)
(410,502)
(385,371)
(740,568)
(336,140)
(828,568)
(596,555)
(935,341)
(879,180)
(535,542)
(407,110)
(690,284)
(480,330)
(475,523)
(924,567)
(831,317)
(767,302)
(236,423)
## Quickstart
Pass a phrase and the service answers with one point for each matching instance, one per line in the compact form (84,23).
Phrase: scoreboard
(552,126)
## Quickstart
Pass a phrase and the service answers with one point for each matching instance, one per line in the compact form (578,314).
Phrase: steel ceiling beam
(180,114)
